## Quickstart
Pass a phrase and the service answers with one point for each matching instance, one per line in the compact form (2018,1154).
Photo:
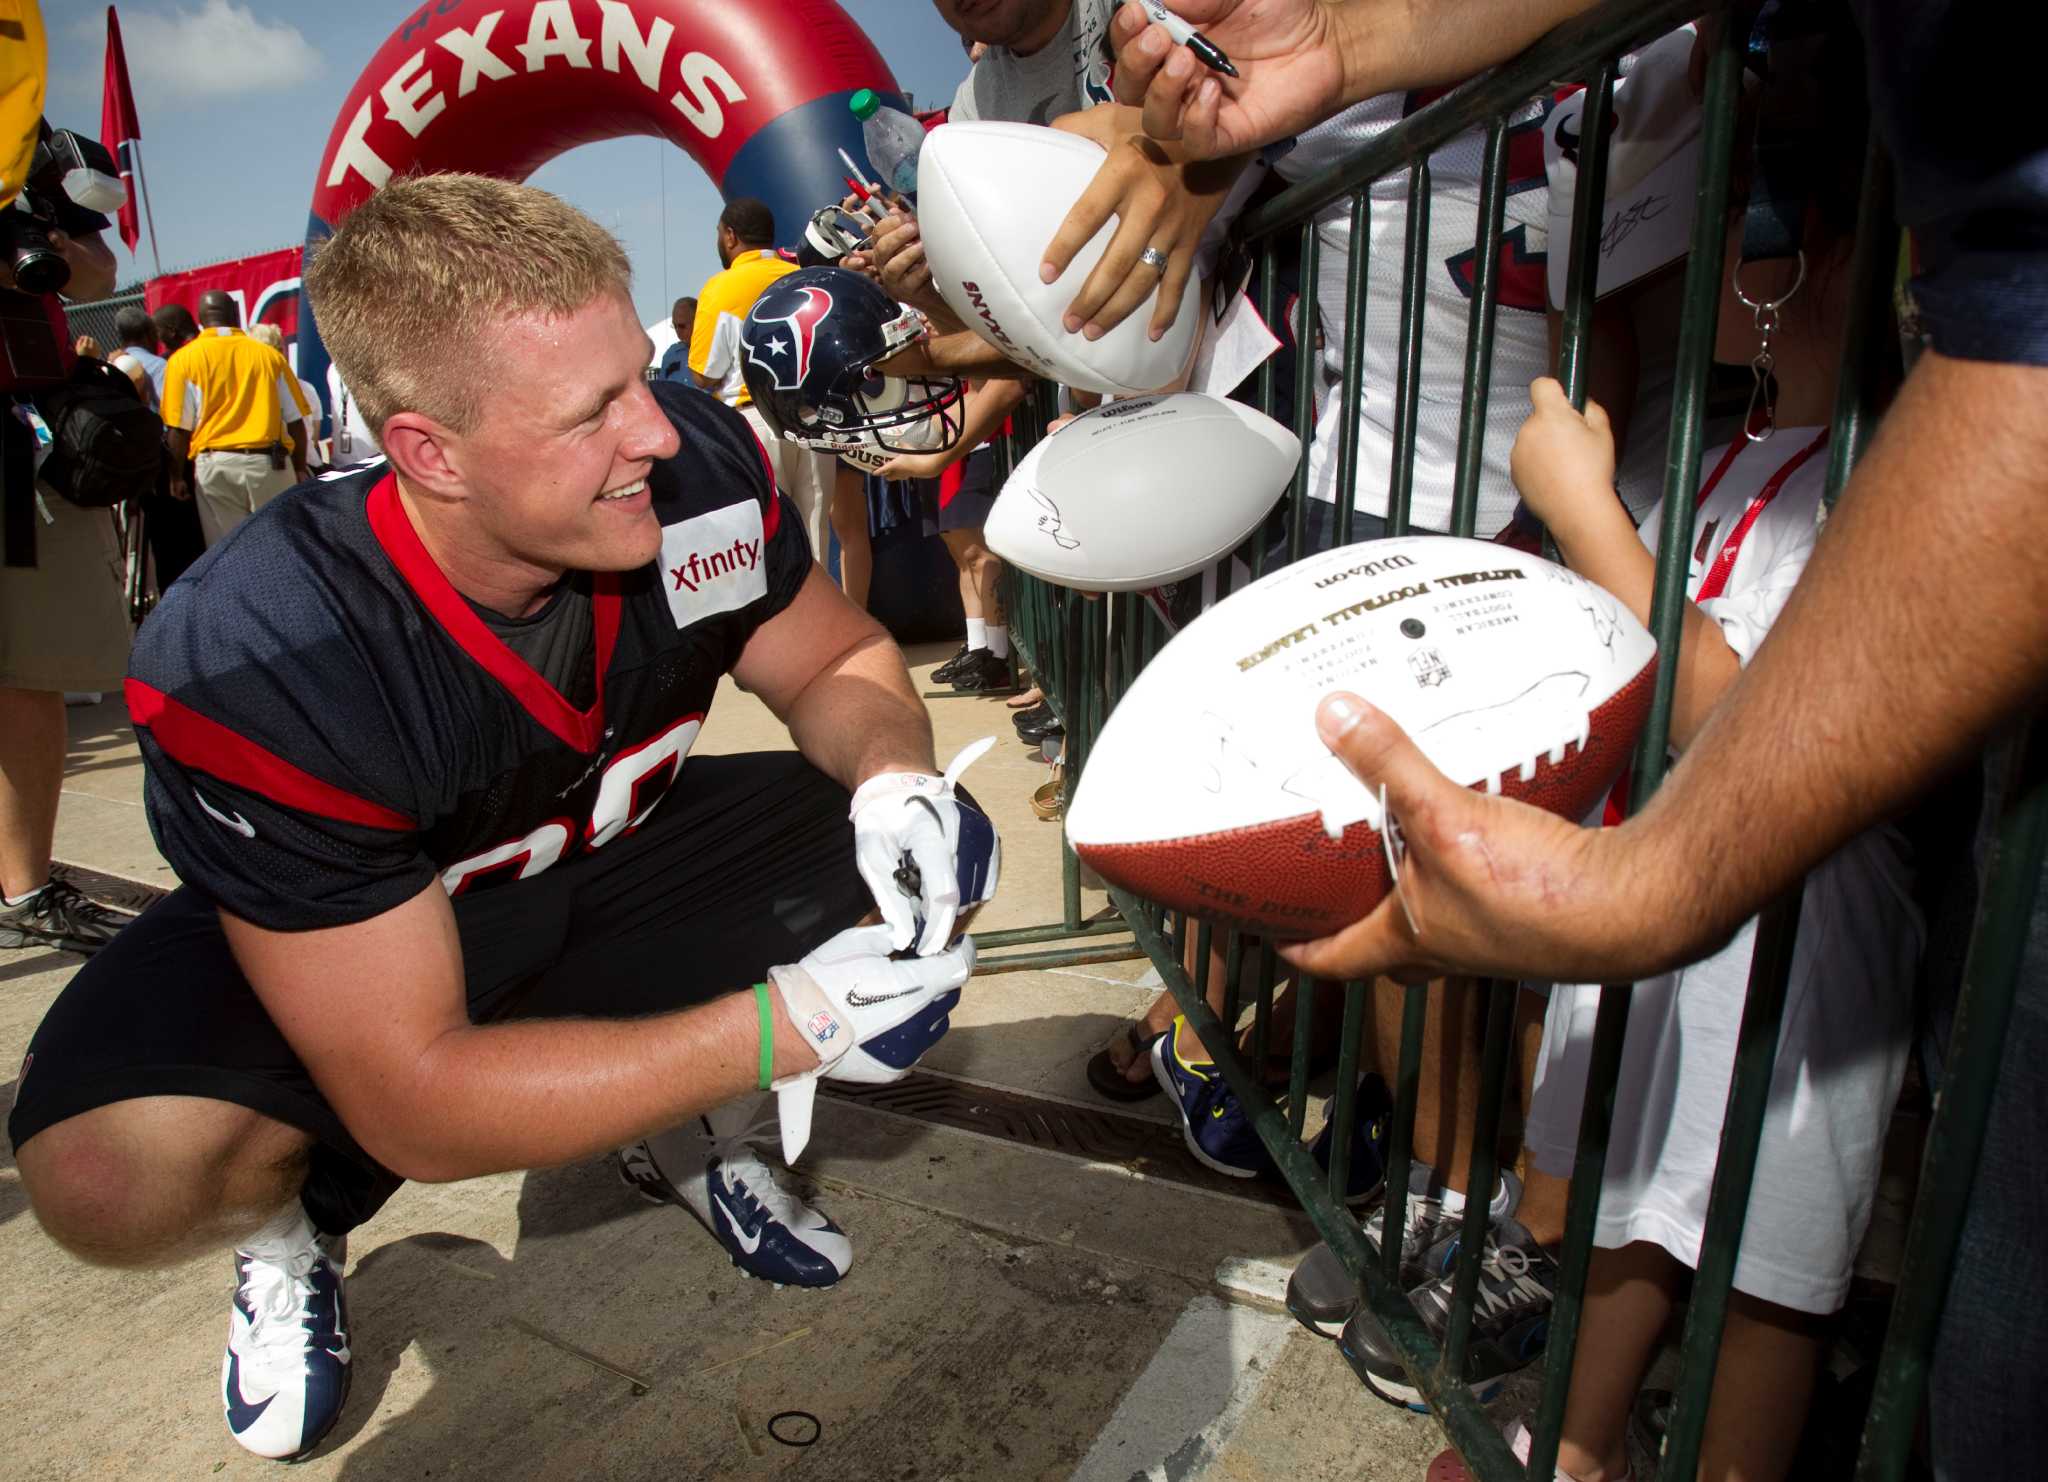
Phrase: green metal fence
(1085,653)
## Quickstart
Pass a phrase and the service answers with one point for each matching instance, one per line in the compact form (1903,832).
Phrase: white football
(1209,789)
(990,196)
(1140,492)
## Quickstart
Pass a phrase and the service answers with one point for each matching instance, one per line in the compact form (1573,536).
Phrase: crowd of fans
(1593,480)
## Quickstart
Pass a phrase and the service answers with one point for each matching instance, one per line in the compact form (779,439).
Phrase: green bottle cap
(864,104)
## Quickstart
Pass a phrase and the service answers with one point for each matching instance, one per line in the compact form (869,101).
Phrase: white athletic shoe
(768,1231)
(286,1373)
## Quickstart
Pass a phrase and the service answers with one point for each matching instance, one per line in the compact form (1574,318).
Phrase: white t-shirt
(353,442)
(1653,311)
(1521,347)
(1069,73)
(313,455)
(1848,1007)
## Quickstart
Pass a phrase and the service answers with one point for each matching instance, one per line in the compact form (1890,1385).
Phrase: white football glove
(913,814)
(866,1015)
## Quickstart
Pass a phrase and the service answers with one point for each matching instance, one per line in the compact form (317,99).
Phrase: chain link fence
(97,318)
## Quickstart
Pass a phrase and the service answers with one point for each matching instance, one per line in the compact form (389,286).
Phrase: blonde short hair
(270,335)
(414,280)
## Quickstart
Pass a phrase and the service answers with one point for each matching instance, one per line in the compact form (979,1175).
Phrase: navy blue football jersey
(328,725)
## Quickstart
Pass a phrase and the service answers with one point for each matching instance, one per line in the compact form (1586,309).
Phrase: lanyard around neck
(1716,580)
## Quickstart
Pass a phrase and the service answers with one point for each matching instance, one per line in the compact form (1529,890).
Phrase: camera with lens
(66,165)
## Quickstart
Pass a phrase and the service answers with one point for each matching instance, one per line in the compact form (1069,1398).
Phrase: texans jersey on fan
(328,725)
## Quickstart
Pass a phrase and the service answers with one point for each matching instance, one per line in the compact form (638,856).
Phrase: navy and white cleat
(286,1373)
(768,1231)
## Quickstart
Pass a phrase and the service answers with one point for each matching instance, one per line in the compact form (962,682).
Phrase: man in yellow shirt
(227,399)
(746,238)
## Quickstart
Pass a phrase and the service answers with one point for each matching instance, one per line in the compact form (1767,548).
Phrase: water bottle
(893,139)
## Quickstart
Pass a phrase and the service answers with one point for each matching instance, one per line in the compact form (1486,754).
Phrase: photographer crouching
(69,448)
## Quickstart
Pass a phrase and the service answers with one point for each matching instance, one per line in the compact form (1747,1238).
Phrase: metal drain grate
(111,890)
(1154,1149)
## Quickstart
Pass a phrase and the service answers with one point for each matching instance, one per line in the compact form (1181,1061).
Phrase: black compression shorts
(753,865)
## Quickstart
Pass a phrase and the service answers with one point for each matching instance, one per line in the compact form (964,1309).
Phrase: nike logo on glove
(860,1000)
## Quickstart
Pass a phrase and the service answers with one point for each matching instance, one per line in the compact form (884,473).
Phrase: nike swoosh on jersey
(748,1243)
(238,823)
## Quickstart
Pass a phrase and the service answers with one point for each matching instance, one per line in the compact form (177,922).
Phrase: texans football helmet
(809,348)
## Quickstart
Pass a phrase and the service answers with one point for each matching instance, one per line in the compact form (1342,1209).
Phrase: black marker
(1207,52)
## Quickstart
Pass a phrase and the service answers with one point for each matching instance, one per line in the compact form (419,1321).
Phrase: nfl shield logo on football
(1429,668)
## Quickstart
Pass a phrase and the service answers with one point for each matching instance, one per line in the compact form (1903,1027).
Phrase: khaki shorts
(64,621)
(804,474)
(233,486)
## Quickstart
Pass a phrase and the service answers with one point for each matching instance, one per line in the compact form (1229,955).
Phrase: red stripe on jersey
(771,521)
(203,745)
(581,729)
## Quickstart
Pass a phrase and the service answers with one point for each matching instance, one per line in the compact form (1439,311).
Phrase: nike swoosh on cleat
(241,1414)
(747,1243)
(1217,1112)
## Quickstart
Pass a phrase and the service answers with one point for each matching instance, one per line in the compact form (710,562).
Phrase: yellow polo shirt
(721,308)
(231,392)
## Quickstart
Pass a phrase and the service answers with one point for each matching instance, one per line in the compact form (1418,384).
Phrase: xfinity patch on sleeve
(712,563)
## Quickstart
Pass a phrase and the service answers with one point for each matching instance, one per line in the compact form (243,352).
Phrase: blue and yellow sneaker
(1372,1114)
(1217,1131)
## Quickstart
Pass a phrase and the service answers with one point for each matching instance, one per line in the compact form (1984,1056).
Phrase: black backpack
(105,444)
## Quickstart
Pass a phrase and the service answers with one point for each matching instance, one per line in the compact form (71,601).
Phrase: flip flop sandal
(1047,801)
(1109,1082)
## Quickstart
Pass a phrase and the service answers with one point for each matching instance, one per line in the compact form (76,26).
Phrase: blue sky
(237,98)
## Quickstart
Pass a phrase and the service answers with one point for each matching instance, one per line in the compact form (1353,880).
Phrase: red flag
(119,130)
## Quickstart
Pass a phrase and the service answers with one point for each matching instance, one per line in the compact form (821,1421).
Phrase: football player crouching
(456,897)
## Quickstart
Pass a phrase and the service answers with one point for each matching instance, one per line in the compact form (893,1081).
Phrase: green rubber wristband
(767,1035)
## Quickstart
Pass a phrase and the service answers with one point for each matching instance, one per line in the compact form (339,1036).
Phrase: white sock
(280,1227)
(977,633)
(998,639)
(11,901)
(1454,1202)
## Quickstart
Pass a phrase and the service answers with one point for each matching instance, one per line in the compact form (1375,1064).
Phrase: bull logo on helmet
(781,343)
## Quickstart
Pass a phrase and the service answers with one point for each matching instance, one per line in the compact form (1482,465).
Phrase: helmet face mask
(810,347)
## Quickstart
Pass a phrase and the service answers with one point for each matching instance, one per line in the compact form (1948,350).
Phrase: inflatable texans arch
(755,91)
